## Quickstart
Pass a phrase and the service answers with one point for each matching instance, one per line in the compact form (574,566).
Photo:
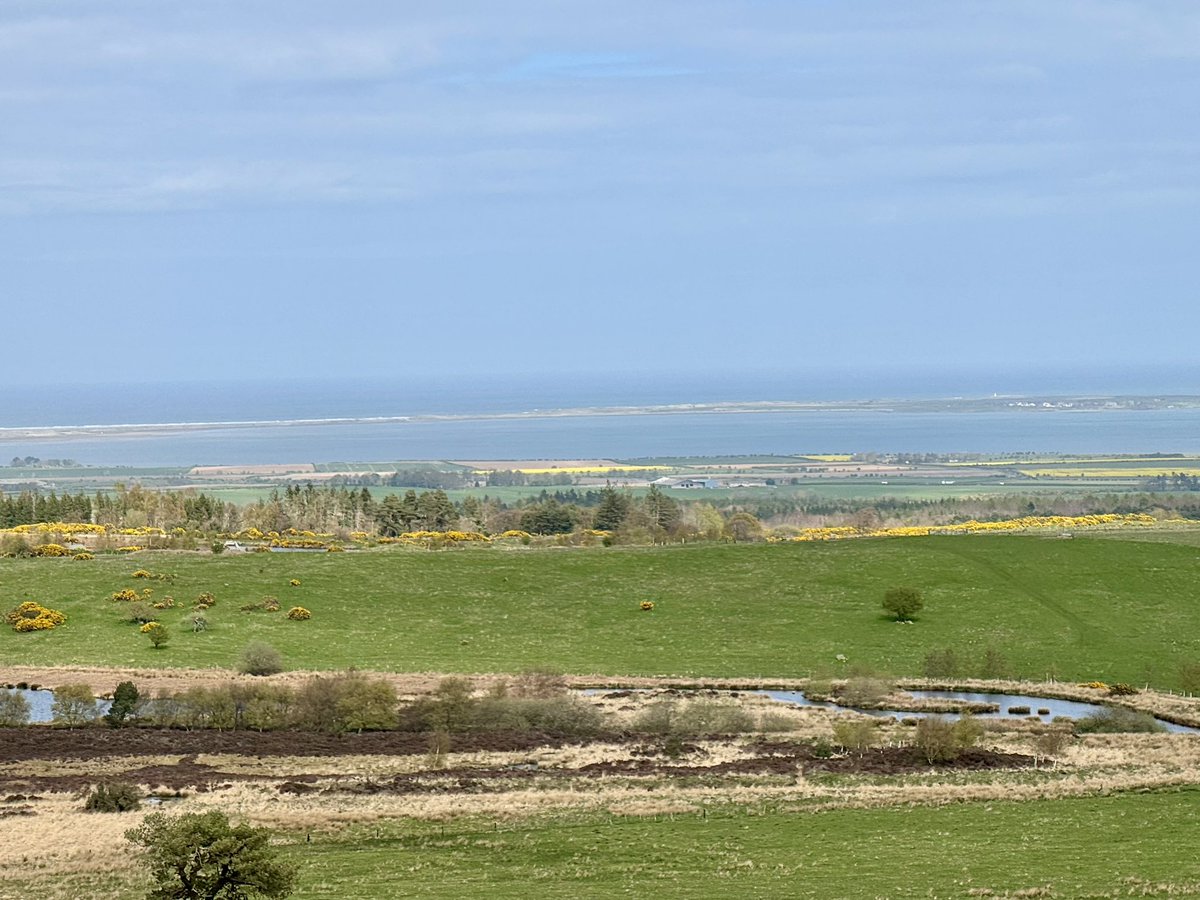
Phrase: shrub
(347,702)
(450,707)
(85,555)
(941,740)
(260,659)
(713,717)
(113,796)
(1118,721)
(124,702)
(647,605)
(157,633)
(14,709)
(854,733)
(657,718)
(74,704)
(298,614)
(270,604)
(1050,743)
(863,690)
(562,715)
(903,602)
(539,683)
(125,594)
(295,582)
(206,599)
(30,616)
(142,573)
(693,717)
(139,614)
(202,855)
(14,545)
(53,550)
(1121,689)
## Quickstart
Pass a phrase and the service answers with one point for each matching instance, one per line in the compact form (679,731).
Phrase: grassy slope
(1078,847)
(1088,608)
(1116,845)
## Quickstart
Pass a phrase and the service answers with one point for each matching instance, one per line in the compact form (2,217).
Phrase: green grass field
(1087,847)
(1100,846)
(1116,610)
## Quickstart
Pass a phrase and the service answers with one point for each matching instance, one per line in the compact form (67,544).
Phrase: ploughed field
(1081,609)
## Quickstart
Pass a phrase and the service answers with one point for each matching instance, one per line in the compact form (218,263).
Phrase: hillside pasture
(1081,609)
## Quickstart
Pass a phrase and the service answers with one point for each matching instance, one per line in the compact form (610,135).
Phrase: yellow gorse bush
(1025,523)
(298,614)
(50,550)
(57,528)
(30,616)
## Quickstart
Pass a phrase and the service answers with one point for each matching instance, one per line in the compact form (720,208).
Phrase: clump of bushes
(85,555)
(259,658)
(74,705)
(113,796)
(693,717)
(647,605)
(30,616)
(854,733)
(140,613)
(126,595)
(298,614)
(863,690)
(267,604)
(940,740)
(14,709)
(1121,689)
(205,600)
(1116,720)
(51,550)
(454,709)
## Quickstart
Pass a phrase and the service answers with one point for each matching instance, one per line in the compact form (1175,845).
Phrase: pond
(1071,708)
(42,701)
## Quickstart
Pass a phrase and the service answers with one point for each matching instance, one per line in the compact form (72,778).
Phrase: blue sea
(587,436)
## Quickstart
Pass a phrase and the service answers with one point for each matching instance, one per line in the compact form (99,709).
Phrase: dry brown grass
(70,844)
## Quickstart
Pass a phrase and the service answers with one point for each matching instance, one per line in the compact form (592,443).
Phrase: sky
(463,190)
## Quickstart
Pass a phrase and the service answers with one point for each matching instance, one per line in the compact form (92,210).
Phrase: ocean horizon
(364,420)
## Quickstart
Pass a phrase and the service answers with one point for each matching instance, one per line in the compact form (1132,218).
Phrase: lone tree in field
(903,603)
(200,856)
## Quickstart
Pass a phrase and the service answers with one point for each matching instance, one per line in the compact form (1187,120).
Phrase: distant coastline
(1007,404)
